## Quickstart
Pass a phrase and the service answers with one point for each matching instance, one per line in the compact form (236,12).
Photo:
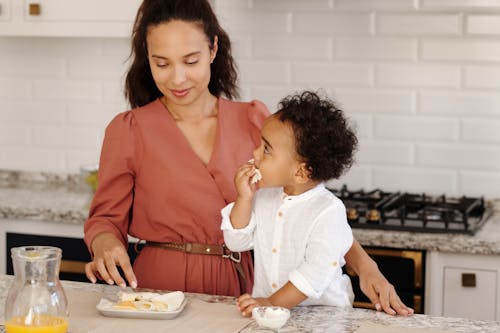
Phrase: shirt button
(280,214)
(274,250)
(334,264)
(274,285)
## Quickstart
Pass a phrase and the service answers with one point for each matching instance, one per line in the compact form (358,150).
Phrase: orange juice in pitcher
(36,302)
(44,324)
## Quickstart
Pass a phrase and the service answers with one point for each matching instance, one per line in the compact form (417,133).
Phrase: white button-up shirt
(301,239)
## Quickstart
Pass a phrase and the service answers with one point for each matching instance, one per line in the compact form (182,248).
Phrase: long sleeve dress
(154,187)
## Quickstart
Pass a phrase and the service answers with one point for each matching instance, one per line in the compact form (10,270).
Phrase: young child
(297,228)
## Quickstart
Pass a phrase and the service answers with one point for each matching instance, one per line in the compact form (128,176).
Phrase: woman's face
(179,57)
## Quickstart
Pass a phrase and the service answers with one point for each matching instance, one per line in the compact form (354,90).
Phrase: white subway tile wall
(419,80)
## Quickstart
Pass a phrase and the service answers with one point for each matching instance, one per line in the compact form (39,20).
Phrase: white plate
(110,312)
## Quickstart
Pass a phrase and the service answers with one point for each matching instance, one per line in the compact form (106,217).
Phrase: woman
(167,166)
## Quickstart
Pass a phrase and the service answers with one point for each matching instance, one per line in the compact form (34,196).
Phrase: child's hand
(243,181)
(246,303)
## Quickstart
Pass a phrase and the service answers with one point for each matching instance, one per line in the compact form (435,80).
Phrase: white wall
(420,79)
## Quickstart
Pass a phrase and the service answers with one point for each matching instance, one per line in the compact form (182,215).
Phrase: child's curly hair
(323,137)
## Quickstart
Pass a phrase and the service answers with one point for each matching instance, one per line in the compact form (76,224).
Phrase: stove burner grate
(378,209)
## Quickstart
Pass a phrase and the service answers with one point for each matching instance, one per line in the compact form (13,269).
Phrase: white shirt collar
(303,196)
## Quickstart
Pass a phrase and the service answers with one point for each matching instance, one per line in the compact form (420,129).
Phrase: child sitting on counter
(297,228)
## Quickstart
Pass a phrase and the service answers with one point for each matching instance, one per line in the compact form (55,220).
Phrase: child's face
(276,157)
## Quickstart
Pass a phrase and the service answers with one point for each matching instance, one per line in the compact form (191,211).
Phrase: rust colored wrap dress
(154,187)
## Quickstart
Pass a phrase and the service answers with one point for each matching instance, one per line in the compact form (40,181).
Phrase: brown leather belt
(215,250)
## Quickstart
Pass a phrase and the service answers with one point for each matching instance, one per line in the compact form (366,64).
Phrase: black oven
(403,268)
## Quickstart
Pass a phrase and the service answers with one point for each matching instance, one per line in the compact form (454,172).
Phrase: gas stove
(404,211)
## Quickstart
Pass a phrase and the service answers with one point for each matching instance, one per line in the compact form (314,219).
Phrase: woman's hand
(246,303)
(109,253)
(373,284)
(243,181)
(381,293)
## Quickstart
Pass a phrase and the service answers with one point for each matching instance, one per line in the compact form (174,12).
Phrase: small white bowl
(273,317)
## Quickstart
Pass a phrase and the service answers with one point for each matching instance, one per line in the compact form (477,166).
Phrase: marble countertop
(66,199)
(307,319)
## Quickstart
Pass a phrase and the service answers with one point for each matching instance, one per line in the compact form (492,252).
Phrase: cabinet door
(5,9)
(477,301)
(81,11)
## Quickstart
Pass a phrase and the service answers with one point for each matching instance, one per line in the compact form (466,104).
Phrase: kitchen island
(303,319)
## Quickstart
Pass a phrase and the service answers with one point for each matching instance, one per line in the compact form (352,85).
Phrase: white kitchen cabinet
(5,10)
(463,285)
(68,18)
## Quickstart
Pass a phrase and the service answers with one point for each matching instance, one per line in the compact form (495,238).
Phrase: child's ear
(303,174)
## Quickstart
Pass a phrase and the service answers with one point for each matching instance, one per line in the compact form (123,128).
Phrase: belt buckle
(232,255)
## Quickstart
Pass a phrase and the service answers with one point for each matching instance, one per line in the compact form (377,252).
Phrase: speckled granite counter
(65,199)
(307,319)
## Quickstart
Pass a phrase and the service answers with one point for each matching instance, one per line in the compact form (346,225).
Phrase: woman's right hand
(109,253)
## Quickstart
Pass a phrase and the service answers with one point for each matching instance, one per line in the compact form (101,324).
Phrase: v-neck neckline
(186,141)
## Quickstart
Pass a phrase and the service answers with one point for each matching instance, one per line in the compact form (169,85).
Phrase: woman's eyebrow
(165,58)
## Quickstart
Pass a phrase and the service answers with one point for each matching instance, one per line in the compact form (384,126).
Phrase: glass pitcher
(36,301)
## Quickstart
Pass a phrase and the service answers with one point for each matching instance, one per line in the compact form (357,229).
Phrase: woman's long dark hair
(140,88)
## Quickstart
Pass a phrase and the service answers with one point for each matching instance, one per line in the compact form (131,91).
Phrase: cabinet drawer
(477,301)
(83,11)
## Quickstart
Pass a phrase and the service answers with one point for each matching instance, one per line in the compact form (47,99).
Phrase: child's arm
(287,296)
(242,209)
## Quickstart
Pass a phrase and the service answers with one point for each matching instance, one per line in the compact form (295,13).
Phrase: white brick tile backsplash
(483,24)
(75,159)
(460,49)
(431,181)
(393,153)
(32,158)
(67,90)
(67,137)
(17,135)
(118,47)
(14,46)
(459,4)
(418,75)
(482,77)
(481,130)
(340,74)
(231,4)
(416,128)
(419,81)
(65,46)
(102,67)
(374,49)
(460,103)
(32,112)
(292,5)
(265,72)
(485,184)
(458,156)
(320,24)
(374,5)
(26,66)
(258,22)
(361,124)
(356,178)
(93,114)
(12,89)
(113,92)
(292,47)
(376,100)
(422,24)
(241,46)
